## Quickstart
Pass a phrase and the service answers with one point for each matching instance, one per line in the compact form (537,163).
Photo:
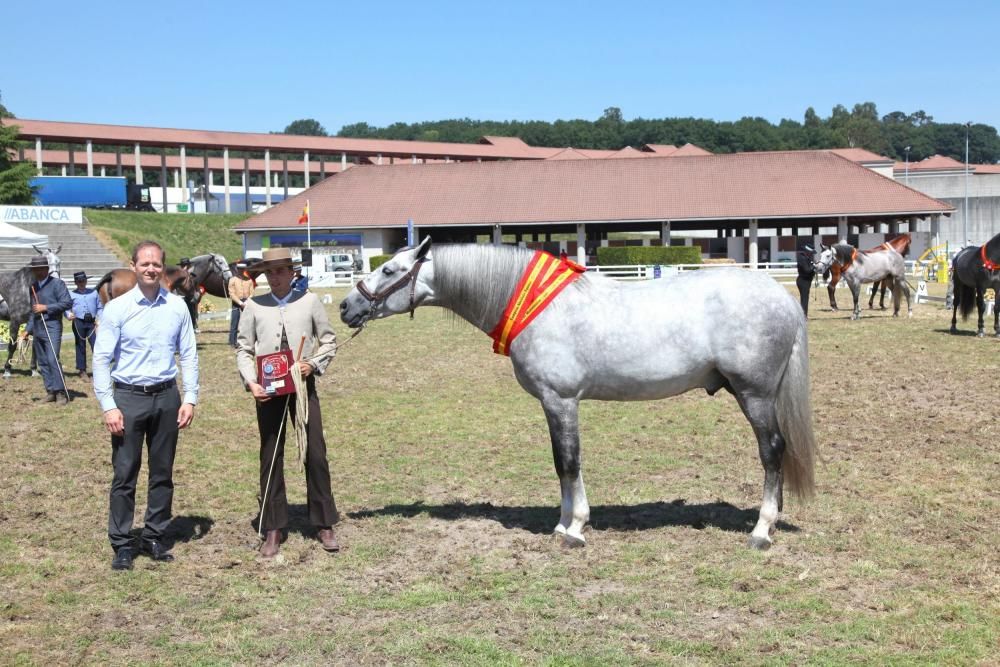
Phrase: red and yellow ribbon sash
(542,281)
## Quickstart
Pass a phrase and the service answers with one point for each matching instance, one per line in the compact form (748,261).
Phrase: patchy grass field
(181,235)
(443,477)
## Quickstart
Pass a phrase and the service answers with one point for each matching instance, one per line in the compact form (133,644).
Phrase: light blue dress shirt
(86,303)
(141,336)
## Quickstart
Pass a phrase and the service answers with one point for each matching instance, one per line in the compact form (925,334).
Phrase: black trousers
(150,419)
(804,284)
(319,497)
(83,332)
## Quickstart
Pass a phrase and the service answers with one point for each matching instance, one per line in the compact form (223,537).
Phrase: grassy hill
(180,235)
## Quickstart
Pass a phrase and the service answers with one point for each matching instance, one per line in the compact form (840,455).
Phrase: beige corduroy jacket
(260,332)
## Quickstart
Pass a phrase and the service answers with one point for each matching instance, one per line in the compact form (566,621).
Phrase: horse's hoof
(759,543)
(574,541)
(980,334)
(954,330)
(559,530)
(6,375)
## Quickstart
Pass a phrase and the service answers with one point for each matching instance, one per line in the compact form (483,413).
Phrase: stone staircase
(81,251)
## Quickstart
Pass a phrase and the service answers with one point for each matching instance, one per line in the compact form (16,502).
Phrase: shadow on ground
(643,516)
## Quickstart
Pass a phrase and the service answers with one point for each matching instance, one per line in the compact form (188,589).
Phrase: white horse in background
(52,257)
(606,340)
(858,268)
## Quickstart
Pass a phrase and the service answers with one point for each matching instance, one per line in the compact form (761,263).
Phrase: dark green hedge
(378,260)
(647,255)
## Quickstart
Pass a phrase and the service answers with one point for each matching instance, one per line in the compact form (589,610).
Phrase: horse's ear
(59,249)
(424,247)
(824,246)
(37,250)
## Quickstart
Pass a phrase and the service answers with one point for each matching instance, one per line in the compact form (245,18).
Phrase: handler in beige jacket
(270,322)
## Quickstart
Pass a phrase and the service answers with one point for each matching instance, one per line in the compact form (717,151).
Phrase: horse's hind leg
(955,302)
(981,305)
(762,415)
(564,431)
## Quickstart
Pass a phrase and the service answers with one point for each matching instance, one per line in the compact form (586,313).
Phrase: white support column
(842,228)
(90,157)
(225,178)
(379,160)
(497,235)
(267,177)
(38,155)
(753,243)
(936,230)
(177,178)
(102,171)
(894,227)
(581,244)
(414,159)
(184,174)
(305,168)
(138,165)
(64,170)
(343,160)
(665,232)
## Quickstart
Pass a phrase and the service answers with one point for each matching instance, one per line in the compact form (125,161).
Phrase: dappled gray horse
(605,340)
(15,288)
(974,270)
(858,268)
(212,272)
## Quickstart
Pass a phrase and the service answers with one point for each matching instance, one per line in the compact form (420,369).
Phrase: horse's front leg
(11,346)
(856,293)
(831,290)
(564,431)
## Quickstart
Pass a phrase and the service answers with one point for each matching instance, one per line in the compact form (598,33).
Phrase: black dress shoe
(123,559)
(156,551)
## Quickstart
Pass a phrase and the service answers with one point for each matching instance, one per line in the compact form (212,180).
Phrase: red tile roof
(860,155)
(689,149)
(792,184)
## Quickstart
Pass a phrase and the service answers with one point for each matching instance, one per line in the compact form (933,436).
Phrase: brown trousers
(319,498)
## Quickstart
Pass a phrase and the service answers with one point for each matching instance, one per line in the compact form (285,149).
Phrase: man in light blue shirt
(140,331)
(83,317)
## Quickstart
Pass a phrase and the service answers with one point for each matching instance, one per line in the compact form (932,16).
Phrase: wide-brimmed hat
(79,275)
(273,258)
(37,262)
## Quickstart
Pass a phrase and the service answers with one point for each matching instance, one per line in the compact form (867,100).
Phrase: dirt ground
(443,476)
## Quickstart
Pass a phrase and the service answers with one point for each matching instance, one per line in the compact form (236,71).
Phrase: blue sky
(257,66)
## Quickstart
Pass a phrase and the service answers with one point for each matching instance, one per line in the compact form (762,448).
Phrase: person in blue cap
(83,318)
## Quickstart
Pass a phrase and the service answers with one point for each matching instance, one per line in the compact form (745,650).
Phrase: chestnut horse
(900,244)
(118,281)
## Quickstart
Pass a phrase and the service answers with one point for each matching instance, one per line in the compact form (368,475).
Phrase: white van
(339,262)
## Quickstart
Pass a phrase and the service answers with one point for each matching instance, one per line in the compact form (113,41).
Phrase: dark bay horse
(599,339)
(15,288)
(900,244)
(975,270)
(212,272)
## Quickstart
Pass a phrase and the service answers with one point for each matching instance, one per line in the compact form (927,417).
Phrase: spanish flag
(304,218)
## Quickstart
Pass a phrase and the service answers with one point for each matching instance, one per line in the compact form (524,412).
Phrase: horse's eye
(386,270)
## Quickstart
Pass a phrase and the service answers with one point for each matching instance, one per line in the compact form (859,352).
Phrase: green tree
(309,127)
(15,187)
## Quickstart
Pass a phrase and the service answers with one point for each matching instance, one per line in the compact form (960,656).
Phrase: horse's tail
(795,420)
(965,296)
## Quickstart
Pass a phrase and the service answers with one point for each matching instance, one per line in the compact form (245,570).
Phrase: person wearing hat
(49,300)
(240,289)
(283,319)
(83,316)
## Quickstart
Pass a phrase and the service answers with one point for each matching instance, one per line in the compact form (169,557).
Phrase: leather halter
(988,263)
(376,298)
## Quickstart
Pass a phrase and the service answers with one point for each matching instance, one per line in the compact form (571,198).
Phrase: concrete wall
(984,205)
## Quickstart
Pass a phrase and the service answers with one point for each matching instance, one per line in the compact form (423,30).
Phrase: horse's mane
(843,253)
(476,280)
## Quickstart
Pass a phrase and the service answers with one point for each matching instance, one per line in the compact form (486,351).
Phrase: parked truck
(91,192)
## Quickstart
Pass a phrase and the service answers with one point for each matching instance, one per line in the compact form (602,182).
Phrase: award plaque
(275,373)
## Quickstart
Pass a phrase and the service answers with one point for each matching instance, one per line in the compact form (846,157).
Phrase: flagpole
(309,215)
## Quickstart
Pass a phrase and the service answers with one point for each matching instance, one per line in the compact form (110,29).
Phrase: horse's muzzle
(356,314)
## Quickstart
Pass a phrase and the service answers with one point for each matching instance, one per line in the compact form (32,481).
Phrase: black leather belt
(148,389)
